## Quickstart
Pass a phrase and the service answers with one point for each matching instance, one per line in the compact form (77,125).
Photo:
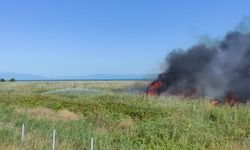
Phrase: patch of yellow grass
(126,124)
(67,115)
(11,147)
(46,113)
(5,125)
(242,145)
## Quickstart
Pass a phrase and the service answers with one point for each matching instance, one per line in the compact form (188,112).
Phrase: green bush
(12,80)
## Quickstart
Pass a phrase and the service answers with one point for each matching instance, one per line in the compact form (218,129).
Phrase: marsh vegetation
(115,117)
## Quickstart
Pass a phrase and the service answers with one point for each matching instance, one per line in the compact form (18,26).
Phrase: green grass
(116,119)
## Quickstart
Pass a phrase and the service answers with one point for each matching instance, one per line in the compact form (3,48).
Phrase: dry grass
(43,86)
(242,145)
(67,115)
(126,124)
(48,114)
(11,147)
(234,145)
(4,125)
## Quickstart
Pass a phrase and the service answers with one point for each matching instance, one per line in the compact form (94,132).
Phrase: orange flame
(152,89)
(231,99)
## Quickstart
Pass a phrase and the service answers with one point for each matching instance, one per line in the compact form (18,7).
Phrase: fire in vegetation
(220,70)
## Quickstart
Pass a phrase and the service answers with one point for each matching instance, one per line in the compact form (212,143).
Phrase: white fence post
(92,144)
(22,136)
(54,140)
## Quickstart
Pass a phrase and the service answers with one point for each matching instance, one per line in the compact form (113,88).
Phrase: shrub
(12,80)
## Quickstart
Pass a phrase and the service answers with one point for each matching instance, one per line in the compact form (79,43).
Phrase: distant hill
(109,77)
(20,76)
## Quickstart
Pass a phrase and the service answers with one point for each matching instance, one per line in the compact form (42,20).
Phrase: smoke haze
(210,70)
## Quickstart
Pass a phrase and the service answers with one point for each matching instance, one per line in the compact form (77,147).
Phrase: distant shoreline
(85,80)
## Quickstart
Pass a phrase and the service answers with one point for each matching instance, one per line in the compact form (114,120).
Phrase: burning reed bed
(116,120)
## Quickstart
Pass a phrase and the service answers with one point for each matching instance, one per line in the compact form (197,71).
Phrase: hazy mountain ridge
(21,76)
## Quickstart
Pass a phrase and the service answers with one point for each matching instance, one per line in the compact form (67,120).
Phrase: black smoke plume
(210,70)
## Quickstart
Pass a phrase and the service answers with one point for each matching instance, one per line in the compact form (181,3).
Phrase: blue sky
(78,37)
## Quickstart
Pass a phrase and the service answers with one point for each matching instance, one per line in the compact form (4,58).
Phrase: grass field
(115,118)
